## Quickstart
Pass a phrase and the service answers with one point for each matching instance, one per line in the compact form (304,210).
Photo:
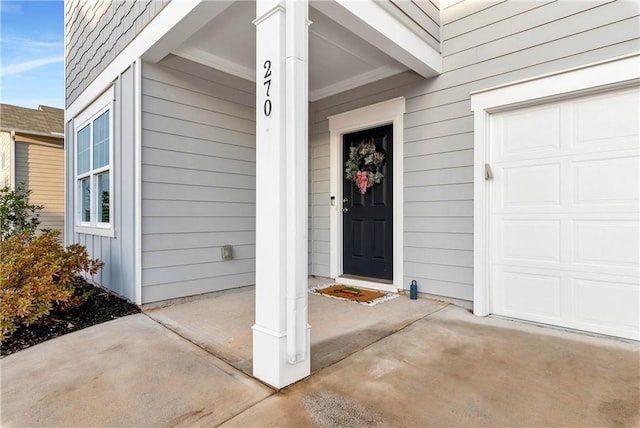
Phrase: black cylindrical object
(413,291)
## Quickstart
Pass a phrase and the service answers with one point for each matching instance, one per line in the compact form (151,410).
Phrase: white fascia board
(353,82)
(176,22)
(217,62)
(374,24)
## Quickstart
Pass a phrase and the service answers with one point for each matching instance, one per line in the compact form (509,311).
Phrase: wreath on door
(364,165)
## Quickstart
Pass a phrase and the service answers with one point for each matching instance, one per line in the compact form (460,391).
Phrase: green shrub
(36,275)
(17,215)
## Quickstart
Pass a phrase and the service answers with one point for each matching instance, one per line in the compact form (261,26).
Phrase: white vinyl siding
(198,173)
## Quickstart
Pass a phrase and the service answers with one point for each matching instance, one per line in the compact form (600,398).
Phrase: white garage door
(565,213)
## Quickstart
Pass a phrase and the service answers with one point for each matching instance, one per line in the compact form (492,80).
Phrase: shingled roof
(43,120)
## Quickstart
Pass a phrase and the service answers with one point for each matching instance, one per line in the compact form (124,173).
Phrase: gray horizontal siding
(116,252)
(96,32)
(198,180)
(484,44)
(421,15)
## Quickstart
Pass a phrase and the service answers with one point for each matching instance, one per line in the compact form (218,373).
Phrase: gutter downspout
(137,173)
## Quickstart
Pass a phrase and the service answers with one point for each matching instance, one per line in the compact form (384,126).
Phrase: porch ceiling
(338,59)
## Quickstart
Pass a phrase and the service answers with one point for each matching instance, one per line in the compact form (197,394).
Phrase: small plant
(17,215)
(37,275)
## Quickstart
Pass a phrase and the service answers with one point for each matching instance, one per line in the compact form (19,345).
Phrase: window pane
(101,140)
(103,197)
(85,199)
(84,139)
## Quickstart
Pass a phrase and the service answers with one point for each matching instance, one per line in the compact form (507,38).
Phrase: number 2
(267,66)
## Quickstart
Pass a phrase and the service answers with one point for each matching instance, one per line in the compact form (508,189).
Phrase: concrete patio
(399,363)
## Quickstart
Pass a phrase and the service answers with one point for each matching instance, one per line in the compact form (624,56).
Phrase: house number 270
(267,83)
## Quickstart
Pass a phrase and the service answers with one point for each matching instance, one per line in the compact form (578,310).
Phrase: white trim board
(384,113)
(137,286)
(565,84)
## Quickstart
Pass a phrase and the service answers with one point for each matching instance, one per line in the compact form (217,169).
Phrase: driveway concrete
(454,369)
(131,372)
(448,368)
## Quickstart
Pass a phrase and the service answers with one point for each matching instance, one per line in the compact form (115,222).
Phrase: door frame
(383,113)
(566,84)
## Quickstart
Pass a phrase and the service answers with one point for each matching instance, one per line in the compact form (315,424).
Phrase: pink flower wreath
(364,166)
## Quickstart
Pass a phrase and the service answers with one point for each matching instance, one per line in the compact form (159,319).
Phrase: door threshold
(370,283)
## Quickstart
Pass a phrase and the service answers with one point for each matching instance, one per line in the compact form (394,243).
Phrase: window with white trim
(93,166)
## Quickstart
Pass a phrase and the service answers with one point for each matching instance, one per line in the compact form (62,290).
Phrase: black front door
(368,218)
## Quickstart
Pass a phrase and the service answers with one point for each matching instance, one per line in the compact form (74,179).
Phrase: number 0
(267,108)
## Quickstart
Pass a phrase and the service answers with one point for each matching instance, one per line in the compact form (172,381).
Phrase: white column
(281,334)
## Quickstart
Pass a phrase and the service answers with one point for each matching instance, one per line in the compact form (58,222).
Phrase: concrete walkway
(447,368)
(222,324)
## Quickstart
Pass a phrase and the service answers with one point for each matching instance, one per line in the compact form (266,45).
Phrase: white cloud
(10,7)
(21,44)
(21,67)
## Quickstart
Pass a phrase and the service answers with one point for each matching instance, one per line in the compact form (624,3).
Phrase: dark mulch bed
(101,306)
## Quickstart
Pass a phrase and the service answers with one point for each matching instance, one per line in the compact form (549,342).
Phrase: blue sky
(32,53)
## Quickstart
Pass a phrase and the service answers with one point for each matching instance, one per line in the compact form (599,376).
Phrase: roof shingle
(44,119)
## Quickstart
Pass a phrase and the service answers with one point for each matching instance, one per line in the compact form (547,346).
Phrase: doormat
(353,294)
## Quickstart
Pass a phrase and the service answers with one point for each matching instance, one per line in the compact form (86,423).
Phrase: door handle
(345,200)
(345,209)
(488,172)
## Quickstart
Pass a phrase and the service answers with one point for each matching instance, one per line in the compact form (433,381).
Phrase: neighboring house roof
(43,120)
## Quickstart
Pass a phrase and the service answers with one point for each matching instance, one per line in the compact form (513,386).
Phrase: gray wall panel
(198,177)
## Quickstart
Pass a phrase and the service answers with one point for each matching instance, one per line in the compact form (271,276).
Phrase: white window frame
(102,104)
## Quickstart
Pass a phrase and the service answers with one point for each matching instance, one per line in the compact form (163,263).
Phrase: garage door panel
(606,181)
(528,133)
(606,118)
(606,242)
(531,295)
(531,185)
(531,240)
(591,306)
(565,213)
